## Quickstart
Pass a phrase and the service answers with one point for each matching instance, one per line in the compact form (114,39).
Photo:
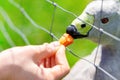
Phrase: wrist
(5,66)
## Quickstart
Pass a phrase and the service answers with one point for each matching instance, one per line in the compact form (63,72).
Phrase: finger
(53,61)
(61,63)
(48,50)
(45,50)
(47,63)
(61,57)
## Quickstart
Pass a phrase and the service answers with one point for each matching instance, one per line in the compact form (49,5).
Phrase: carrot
(66,39)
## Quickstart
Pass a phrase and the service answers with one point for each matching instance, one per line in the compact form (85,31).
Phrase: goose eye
(104,20)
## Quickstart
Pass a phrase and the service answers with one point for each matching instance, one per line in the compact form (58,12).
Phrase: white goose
(106,15)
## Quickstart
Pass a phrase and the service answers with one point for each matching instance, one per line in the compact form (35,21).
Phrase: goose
(105,15)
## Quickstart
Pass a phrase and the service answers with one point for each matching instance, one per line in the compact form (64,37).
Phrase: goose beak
(78,28)
(72,30)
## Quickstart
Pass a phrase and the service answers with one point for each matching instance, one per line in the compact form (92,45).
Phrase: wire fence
(15,29)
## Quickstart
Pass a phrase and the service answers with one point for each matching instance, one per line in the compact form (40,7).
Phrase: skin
(41,62)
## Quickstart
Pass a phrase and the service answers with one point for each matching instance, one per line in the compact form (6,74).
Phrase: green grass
(41,12)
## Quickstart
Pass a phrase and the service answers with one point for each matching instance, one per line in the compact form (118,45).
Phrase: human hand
(44,62)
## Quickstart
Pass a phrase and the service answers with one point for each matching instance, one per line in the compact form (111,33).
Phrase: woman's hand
(44,62)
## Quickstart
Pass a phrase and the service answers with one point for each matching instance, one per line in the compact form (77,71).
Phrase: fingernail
(56,44)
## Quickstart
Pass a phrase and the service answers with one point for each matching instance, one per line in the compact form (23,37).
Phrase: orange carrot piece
(66,39)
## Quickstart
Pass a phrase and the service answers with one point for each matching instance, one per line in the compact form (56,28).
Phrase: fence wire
(13,27)
(6,34)
(7,19)
(95,27)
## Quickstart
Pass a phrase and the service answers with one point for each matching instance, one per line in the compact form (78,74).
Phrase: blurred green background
(41,12)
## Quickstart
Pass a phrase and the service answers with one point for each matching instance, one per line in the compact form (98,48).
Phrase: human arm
(44,62)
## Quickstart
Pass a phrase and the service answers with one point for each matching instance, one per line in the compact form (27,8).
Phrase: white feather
(108,53)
